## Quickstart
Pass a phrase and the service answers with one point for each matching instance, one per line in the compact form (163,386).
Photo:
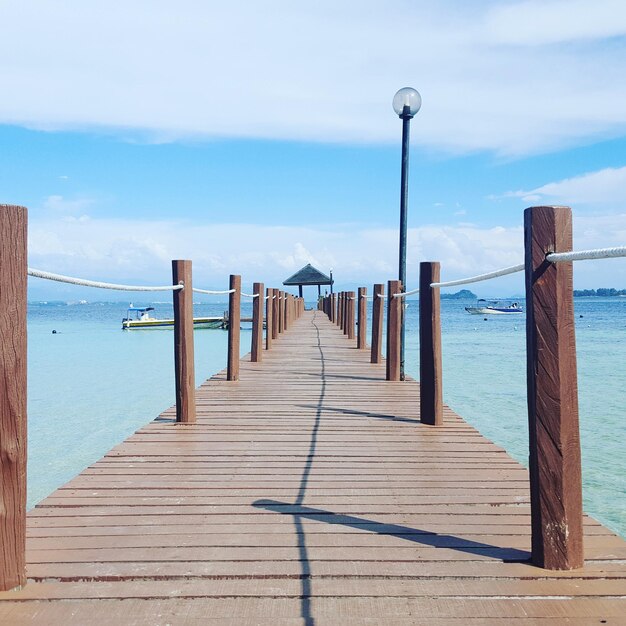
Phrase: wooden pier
(307,492)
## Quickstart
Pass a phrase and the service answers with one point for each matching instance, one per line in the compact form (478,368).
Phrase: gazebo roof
(308,275)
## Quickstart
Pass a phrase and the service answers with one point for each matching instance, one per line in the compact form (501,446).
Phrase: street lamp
(406,103)
(331,281)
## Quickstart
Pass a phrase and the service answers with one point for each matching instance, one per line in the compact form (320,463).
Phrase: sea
(92,384)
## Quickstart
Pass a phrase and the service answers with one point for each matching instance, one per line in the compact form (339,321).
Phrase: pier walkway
(308,492)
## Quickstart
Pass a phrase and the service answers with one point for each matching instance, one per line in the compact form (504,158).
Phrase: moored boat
(140,317)
(494,307)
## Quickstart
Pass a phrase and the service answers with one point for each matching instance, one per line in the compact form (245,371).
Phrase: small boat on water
(139,317)
(494,307)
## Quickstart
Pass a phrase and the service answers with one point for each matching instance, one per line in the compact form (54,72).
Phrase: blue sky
(256,139)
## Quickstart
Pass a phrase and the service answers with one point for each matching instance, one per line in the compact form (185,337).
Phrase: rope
(382,295)
(586,255)
(94,283)
(554,257)
(213,293)
(475,279)
(405,293)
(249,295)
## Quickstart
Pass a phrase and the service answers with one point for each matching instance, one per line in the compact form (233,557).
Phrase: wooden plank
(13,274)
(311,492)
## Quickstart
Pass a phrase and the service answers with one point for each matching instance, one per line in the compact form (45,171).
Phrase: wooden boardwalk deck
(308,493)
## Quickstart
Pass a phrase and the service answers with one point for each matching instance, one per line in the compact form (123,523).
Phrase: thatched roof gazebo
(309,275)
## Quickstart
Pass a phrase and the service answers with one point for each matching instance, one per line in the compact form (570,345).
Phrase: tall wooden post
(351,302)
(275,307)
(256,347)
(361,342)
(333,306)
(286,313)
(183,343)
(394,327)
(281,312)
(234,328)
(431,392)
(377,323)
(269,309)
(13,280)
(340,310)
(554,461)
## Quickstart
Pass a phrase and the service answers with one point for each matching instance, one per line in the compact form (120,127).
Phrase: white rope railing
(475,279)
(404,294)
(553,257)
(98,284)
(382,295)
(212,292)
(249,295)
(587,255)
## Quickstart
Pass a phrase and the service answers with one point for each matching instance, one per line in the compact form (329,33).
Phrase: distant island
(602,293)
(464,294)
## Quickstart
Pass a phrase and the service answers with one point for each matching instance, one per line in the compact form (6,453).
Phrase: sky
(253,138)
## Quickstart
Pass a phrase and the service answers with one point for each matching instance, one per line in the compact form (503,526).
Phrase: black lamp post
(331,281)
(406,103)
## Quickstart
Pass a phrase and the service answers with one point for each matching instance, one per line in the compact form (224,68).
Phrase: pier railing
(281,309)
(552,396)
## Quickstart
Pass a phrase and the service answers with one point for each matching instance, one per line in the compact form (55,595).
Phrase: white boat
(139,317)
(494,307)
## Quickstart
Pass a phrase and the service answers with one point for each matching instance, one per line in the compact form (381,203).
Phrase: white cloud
(61,205)
(607,187)
(140,251)
(535,22)
(492,76)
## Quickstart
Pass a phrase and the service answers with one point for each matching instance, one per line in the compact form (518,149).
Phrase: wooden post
(281,312)
(394,325)
(269,310)
(13,280)
(183,343)
(351,302)
(431,392)
(333,306)
(554,460)
(286,312)
(234,328)
(339,304)
(275,307)
(361,342)
(377,323)
(256,348)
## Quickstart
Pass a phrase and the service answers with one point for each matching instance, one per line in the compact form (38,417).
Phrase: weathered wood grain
(13,278)
(309,492)
(555,464)
(394,329)
(256,348)
(184,372)
(234,327)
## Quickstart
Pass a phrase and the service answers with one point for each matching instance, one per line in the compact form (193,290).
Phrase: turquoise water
(484,378)
(92,384)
